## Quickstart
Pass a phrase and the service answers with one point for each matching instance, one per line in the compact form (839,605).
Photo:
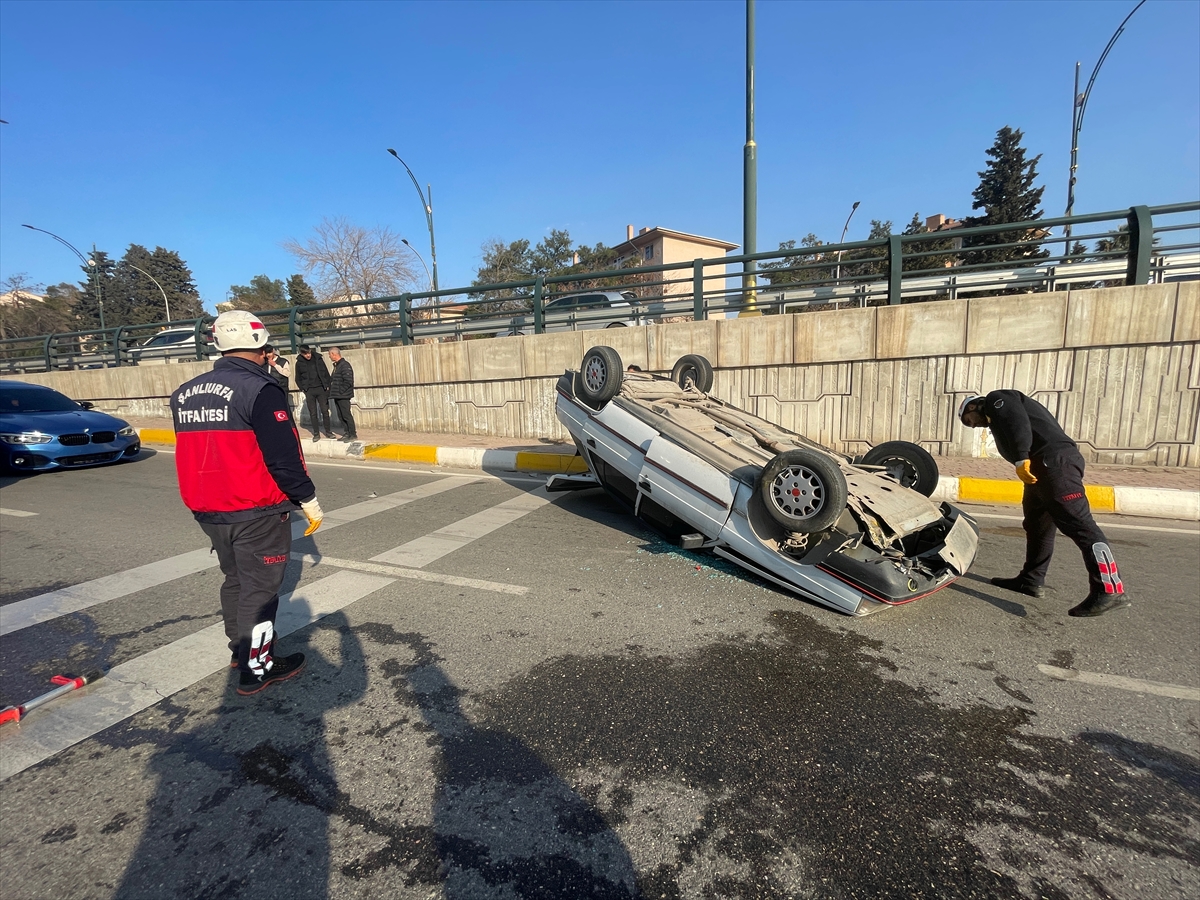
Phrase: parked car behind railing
(171,345)
(580,312)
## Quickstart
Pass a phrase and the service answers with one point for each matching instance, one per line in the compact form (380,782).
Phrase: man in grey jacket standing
(341,389)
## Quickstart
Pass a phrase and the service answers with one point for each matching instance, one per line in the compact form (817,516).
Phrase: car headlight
(127,431)
(26,438)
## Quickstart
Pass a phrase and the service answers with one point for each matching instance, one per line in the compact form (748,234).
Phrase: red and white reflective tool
(68,683)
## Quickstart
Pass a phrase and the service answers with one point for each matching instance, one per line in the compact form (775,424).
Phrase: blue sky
(222,129)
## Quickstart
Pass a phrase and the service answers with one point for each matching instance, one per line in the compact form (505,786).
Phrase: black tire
(599,376)
(803,490)
(909,464)
(694,370)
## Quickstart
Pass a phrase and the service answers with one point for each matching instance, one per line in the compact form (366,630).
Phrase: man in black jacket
(1051,466)
(341,389)
(313,378)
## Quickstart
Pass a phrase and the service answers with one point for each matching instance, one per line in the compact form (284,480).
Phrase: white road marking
(17,513)
(135,685)
(1107,523)
(424,550)
(415,574)
(1178,691)
(45,607)
(52,605)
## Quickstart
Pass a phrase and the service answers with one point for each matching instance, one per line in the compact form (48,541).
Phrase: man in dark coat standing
(341,389)
(1051,467)
(312,377)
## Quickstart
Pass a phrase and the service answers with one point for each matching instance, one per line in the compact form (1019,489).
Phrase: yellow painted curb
(989,490)
(550,462)
(417,453)
(157,436)
(1101,498)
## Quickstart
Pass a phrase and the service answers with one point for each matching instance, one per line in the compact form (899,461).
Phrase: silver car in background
(580,312)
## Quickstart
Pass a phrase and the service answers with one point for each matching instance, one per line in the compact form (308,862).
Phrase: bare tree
(349,262)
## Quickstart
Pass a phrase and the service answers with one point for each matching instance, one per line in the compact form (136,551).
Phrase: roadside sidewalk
(1152,491)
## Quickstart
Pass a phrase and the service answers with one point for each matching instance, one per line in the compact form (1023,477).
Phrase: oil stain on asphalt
(818,777)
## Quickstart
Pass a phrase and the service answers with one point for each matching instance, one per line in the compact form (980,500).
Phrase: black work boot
(1097,604)
(1020,586)
(282,668)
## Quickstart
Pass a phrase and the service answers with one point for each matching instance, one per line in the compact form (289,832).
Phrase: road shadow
(246,792)
(505,824)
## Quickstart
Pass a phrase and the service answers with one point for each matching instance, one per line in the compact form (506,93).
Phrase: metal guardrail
(1140,245)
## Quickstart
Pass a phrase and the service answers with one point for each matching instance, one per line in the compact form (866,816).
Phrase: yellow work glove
(1024,474)
(313,512)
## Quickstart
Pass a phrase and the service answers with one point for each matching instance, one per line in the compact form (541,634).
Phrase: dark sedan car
(42,429)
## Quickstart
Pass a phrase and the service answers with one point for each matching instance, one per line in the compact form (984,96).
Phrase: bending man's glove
(313,512)
(1022,472)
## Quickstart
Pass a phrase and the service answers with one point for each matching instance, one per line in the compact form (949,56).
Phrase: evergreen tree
(261,295)
(299,293)
(96,288)
(1006,194)
(800,269)
(935,246)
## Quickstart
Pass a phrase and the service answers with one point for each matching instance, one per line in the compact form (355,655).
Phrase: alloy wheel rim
(798,491)
(595,373)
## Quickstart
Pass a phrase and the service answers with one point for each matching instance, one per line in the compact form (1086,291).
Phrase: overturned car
(854,534)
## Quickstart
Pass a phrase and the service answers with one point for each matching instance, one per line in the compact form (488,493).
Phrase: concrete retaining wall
(1119,367)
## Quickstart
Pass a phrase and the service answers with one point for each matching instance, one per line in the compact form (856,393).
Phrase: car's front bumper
(53,455)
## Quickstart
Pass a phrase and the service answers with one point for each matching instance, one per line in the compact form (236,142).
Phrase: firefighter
(1051,467)
(241,473)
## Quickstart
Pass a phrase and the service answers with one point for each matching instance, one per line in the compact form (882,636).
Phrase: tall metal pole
(405,242)
(89,266)
(1080,106)
(842,240)
(166,302)
(427,205)
(750,179)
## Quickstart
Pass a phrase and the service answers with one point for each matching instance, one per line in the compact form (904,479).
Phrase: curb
(422,454)
(1155,503)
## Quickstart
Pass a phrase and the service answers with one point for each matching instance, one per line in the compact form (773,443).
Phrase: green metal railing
(1135,246)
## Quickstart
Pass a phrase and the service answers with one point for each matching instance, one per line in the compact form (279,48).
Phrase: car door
(690,489)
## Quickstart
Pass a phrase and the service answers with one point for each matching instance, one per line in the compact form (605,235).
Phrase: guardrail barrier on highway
(1141,245)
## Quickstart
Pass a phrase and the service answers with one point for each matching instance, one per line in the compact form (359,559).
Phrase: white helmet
(239,330)
(962,407)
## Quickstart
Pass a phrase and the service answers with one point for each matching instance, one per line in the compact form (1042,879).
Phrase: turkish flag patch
(281,415)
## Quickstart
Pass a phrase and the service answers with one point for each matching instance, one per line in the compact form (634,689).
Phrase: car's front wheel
(600,376)
(803,490)
(910,464)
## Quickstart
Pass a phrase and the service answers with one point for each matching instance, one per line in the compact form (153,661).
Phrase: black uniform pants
(318,402)
(253,556)
(343,411)
(1058,501)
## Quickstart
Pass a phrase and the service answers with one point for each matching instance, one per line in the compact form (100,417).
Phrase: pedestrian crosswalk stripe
(62,602)
(138,684)
(424,550)
(498,587)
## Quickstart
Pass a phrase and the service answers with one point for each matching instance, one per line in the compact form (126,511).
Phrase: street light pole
(427,205)
(842,240)
(750,179)
(166,302)
(89,266)
(405,242)
(1079,106)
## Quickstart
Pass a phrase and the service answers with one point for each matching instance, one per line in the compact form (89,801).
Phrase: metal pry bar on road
(67,684)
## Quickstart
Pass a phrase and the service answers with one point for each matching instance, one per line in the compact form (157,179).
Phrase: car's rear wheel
(803,490)
(599,376)
(908,463)
(693,371)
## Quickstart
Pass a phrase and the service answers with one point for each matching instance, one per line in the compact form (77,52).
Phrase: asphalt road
(514,698)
